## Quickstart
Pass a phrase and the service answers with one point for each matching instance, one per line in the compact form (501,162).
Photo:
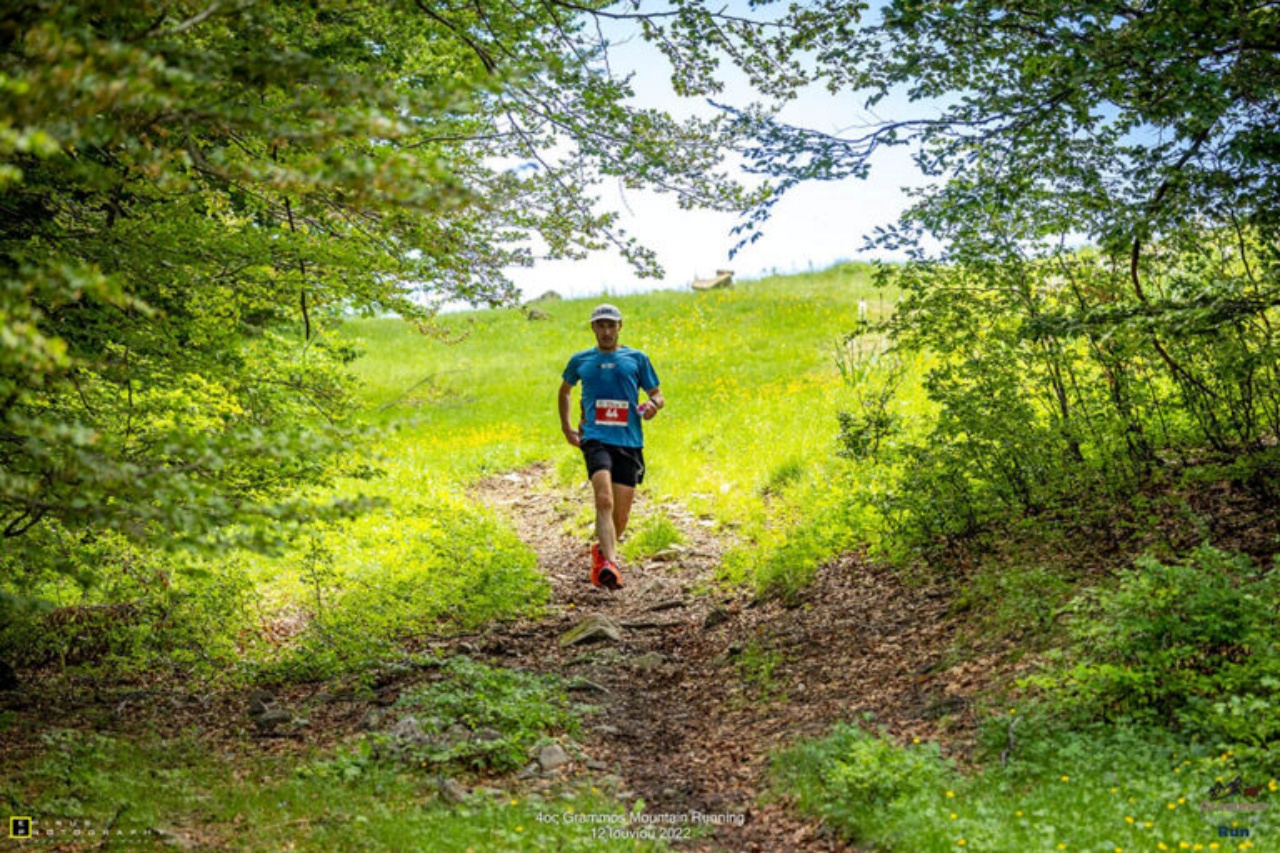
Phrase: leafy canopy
(190,193)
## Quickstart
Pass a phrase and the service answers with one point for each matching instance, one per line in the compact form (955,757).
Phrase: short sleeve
(648,377)
(570,374)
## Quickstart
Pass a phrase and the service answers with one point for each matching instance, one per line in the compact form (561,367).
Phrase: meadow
(753,441)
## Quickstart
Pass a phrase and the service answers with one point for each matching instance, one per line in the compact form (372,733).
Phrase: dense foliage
(1098,260)
(191,193)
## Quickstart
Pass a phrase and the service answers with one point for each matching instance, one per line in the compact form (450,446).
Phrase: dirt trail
(701,688)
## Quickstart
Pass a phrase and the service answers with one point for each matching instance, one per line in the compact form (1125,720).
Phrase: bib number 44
(612,412)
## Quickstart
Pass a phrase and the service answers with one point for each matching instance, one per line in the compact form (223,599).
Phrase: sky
(814,226)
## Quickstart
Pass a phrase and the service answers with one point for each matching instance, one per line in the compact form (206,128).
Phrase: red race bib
(612,413)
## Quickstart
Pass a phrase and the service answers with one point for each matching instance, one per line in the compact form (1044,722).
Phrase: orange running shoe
(597,559)
(607,576)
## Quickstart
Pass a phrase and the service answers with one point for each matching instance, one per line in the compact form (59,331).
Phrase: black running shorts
(625,464)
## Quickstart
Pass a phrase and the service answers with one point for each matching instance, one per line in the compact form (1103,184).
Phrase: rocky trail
(696,688)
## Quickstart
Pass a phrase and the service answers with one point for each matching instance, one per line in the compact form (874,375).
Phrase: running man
(610,433)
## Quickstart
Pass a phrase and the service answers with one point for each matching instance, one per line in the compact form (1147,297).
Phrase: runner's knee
(604,501)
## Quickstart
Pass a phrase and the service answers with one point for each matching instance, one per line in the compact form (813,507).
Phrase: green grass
(651,536)
(748,435)
(749,375)
(1107,790)
(154,793)
(374,792)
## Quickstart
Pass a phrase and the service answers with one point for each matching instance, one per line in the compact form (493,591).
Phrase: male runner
(610,433)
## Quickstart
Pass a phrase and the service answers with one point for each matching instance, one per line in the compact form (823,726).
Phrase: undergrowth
(90,789)
(1105,788)
(1159,707)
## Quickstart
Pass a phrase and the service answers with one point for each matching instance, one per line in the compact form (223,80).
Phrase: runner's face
(606,334)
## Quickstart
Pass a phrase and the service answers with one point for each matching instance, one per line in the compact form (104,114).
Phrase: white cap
(606,312)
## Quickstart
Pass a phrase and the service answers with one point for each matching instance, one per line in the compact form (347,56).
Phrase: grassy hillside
(749,375)
(748,436)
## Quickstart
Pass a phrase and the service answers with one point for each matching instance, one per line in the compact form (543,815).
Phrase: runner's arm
(655,397)
(565,398)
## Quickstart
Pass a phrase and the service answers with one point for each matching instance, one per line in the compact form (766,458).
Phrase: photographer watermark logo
(1235,801)
(19,827)
(1234,796)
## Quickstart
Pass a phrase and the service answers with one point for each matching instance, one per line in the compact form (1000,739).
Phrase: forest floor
(702,686)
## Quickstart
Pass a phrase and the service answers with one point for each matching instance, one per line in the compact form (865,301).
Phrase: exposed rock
(487,735)
(260,702)
(455,734)
(535,314)
(648,660)
(371,720)
(650,587)
(408,729)
(715,616)
(271,718)
(174,839)
(669,604)
(646,624)
(583,685)
(453,791)
(552,756)
(722,279)
(590,630)
(597,765)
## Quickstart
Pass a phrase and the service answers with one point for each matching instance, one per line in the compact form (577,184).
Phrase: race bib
(612,413)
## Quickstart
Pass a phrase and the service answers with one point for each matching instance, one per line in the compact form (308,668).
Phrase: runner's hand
(573,437)
(647,410)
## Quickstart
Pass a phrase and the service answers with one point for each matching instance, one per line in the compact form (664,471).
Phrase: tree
(1106,217)
(191,192)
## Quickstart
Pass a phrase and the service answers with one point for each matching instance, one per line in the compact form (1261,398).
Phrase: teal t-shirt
(611,384)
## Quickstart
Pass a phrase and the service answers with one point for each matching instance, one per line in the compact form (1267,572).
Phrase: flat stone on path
(649,660)
(590,630)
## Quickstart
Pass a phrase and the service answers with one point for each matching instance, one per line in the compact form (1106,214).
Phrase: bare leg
(606,533)
(622,498)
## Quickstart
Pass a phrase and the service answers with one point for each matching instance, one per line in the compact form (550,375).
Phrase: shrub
(852,776)
(1193,645)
